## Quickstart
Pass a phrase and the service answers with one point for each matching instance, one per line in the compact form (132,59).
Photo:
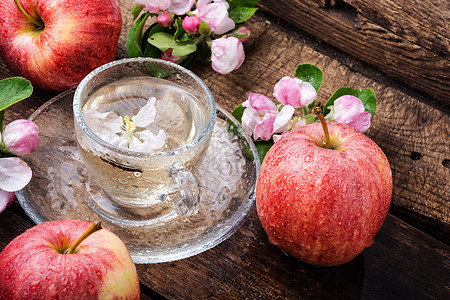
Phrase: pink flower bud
(6,199)
(164,20)
(191,24)
(243,33)
(227,54)
(21,137)
(349,110)
(167,55)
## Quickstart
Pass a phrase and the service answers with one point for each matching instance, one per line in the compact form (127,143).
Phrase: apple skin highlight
(78,36)
(33,267)
(323,206)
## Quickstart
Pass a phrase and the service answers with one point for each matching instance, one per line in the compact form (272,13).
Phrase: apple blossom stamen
(93,228)
(318,112)
(38,22)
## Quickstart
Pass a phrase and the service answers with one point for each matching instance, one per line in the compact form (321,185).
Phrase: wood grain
(406,40)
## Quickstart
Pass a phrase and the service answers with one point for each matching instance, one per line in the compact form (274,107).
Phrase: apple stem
(318,112)
(37,22)
(93,228)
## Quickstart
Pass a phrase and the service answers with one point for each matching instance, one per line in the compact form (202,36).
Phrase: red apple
(323,206)
(59,42)
(34,265)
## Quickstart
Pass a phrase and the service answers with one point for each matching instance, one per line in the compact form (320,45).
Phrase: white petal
(283,118)
(102,123)
(14,174)
(6,199)
(146,114)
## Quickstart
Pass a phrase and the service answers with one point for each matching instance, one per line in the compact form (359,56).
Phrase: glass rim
(80,120)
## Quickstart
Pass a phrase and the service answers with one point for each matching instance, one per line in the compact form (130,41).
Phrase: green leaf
(310,73)
(263,147)
(185,38)
(238,112)
(164,41)
(13,90)
(246,3)
(241,14)
(134,37)
(152,51)
(2,116)
(136,11)
(180,31)
(367,97)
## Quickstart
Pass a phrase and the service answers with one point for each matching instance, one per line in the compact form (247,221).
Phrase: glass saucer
(61,188)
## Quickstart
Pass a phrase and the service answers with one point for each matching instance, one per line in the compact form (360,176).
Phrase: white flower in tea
(134,133)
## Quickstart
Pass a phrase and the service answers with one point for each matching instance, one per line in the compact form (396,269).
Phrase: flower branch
(207,29)
(265,121)
(18,138)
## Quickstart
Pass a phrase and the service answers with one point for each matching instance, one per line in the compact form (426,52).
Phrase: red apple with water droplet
(55,44)
(323,203)
(67,260)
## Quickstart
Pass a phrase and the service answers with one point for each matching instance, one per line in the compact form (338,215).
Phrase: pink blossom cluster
(20,137)
(226,46)
(262,119)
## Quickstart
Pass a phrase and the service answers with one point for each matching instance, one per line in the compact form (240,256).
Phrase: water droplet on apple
(309,158)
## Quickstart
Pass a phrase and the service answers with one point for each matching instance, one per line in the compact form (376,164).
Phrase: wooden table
(410,257)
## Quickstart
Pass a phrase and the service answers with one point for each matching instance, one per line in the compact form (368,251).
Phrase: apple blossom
(295,92)
(180,7)
(20,137)
(154,6)
(164,20)
(243,33)
(349,110)
(191,24)
(131,133)
(215,14)
(14,174)
(6,199)
(227,54)
(261,117)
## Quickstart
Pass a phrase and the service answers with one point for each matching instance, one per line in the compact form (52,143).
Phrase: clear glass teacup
(142,126)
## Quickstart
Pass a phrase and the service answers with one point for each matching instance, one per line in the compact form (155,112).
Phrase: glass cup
(136,180)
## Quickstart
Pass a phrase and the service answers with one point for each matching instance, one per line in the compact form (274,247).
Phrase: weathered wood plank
(391,45)
(402,263)
(425,24)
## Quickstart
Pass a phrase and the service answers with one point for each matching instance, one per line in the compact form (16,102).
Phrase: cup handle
(185,201)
